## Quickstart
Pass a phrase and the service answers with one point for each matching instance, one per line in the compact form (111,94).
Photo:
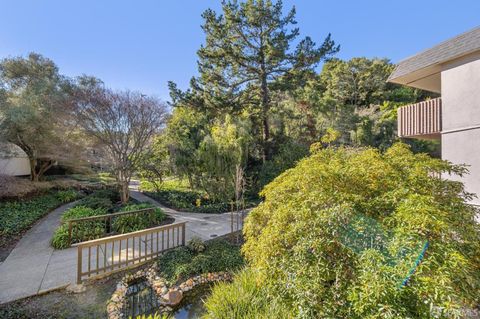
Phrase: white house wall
(16,166)
(461,120)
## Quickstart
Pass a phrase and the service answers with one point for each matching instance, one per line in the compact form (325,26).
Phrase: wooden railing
(421,120)
(107,225)
(100,257)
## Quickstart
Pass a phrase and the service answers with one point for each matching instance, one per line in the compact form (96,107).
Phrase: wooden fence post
(69,233)
(79,265)
(183,234)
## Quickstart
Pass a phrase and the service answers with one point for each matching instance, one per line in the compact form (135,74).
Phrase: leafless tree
(123,121)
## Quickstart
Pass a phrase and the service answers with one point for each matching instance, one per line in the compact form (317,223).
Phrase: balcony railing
(421,120)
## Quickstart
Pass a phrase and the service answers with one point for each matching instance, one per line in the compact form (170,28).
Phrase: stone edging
(168,297)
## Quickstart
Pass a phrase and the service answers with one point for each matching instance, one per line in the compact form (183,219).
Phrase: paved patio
(34,266)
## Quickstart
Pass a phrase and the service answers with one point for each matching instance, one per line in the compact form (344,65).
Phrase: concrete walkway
(34,266)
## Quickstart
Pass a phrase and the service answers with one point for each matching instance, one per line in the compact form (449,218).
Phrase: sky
(143,44)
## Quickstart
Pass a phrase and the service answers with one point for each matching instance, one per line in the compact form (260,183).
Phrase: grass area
(183,262)
(18,216)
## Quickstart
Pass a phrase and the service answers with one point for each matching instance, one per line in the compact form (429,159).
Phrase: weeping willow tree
(221,154)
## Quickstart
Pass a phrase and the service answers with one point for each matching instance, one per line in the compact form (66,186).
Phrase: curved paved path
(34,266)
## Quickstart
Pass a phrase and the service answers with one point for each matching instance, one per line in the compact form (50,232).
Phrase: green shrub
(130,223)
(95,202)
(189,201)
(295,238)
(219,255)
(154,316)
(82,231)
(109,193)
(67,195)
(244,298)
(196,245)
(18,216)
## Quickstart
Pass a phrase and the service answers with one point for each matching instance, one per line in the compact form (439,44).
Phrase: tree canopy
(35,112)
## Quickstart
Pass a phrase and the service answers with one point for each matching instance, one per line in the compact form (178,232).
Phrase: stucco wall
(16,166)
(461,119)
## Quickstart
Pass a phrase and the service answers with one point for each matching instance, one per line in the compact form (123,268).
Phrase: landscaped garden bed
(176,281)
(177,196)
(18,216)
(103,203)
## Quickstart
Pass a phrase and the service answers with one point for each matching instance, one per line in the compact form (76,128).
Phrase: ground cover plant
(102,202)
(130,223)
(296,247)
(82,231)
(18,216)
(177,195)
(183,262)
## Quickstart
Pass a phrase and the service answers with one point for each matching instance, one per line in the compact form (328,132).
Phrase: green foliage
(67,195)
(155,164)
(109,193)
(100,199)
(33,115)
(245,298)
(180,263)
(294,239)
(189,201)
(286,157)
(221,152)
(130,223)
(18,216)
(154,316)
(196,245)
(96,203)
(238,61)
(82,231)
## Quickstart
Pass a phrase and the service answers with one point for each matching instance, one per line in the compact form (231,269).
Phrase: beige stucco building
(13,161)
(452,69)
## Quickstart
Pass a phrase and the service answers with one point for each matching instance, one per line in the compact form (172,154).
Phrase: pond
(142,300)
(192,305)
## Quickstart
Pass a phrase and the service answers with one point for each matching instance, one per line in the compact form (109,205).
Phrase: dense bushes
(81,231)
(182,262)
(95,205)
(189,201)
(18,216)
(129,223)
(296,244)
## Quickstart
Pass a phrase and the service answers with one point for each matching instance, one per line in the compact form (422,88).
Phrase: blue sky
(140,45)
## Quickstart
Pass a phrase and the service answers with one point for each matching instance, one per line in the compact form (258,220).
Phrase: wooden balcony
(421,120)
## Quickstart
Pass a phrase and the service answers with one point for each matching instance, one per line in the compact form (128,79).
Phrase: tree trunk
(33,169)
(265,125)
(124,192)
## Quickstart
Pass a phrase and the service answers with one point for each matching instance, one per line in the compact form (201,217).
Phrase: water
(192,306)
(141,300)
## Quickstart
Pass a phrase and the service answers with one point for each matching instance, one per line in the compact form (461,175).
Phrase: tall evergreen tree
(247,47)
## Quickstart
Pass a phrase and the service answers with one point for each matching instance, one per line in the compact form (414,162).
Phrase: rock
(74,288)
(173,297)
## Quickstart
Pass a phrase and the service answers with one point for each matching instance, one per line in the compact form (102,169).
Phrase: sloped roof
(461,45)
